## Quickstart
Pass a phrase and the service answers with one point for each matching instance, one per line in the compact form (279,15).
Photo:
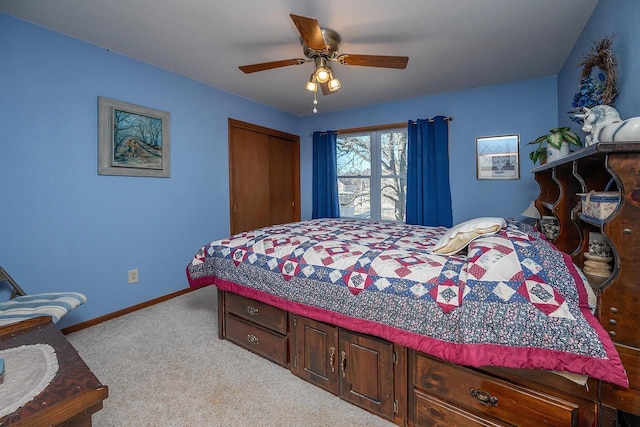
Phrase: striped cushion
(54,304)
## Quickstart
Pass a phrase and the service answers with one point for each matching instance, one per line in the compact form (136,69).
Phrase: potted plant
(539,154)
(557,145)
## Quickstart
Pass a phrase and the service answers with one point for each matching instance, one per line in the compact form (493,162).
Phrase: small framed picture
(132,140)
(497,157)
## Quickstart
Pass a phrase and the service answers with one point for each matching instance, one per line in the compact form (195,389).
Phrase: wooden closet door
(282,155)
(264,176)
(249,180)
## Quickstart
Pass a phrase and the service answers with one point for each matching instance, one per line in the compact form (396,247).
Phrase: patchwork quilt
(512,299)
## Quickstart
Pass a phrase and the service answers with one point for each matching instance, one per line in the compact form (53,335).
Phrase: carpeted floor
(165,366)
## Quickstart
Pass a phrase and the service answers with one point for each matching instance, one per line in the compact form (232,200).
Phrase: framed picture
(132,140)
(497,157)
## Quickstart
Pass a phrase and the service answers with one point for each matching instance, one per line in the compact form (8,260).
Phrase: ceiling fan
(321,46)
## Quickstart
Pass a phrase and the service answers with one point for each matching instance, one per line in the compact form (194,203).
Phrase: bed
(507,298)
(486,323)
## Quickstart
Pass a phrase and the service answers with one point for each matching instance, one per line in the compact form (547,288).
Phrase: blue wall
(62,226)
(526,108)
(619,17)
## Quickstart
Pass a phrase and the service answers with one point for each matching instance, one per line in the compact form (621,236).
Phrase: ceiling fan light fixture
(334,84)
(323,74)
(312,86)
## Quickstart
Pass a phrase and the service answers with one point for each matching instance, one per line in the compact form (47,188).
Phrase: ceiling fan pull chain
(315,101)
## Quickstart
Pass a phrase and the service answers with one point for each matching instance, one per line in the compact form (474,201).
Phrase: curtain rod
(449,118)
(380,127)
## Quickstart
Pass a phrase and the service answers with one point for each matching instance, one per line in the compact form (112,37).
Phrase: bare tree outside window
(394,173)
(354,176)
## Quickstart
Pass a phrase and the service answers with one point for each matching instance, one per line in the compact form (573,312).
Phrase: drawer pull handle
(253,311)
(332,358)
(343,363)
(484,397)
(252,339)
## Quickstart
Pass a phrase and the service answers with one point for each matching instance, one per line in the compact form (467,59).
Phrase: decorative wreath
(603,88)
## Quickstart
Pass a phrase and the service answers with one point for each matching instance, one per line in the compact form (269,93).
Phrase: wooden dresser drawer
(257,339)
(625,399)
(257,312)
(483,394)
(430,411)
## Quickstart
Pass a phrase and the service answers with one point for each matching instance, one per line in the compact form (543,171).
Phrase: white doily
(28,370)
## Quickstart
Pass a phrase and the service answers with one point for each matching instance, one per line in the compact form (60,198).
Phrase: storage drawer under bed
(255,338)
(471,391)
(257,312)
(431,411)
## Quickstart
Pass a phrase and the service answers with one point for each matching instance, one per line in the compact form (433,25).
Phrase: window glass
(372,174)
(354,155)
(354,197)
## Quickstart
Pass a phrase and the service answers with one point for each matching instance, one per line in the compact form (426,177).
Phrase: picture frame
(498,157)
(133,140)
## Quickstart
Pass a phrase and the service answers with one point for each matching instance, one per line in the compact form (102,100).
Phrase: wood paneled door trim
(261,129)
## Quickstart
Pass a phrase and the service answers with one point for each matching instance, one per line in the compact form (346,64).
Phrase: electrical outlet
(133,275)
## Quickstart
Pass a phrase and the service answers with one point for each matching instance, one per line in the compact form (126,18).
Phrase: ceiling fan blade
(269,65)
(382,61)
(310,32)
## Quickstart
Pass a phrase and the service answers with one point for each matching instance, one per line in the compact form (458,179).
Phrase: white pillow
(459,236)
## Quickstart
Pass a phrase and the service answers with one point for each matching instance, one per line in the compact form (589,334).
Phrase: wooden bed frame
(401,385)
(411,388)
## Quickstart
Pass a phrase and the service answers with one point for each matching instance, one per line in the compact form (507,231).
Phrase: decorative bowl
(594,257)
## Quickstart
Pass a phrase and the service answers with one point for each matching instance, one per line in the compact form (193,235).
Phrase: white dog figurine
(604,124)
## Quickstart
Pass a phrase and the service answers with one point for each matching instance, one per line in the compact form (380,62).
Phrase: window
(372,174)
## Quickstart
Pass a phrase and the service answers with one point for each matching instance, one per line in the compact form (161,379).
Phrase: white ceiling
(452,45)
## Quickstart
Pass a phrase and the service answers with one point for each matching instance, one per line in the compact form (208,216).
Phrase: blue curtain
(325,176)
(428,189)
